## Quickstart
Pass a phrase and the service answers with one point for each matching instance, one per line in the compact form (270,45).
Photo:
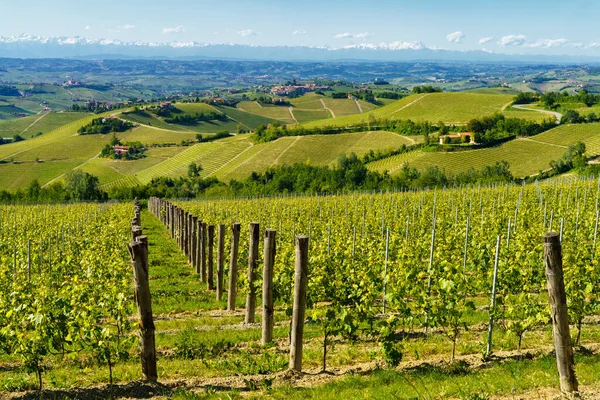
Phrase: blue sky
(508,26)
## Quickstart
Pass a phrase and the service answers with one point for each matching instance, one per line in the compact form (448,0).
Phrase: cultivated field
(526,156)
(451,108)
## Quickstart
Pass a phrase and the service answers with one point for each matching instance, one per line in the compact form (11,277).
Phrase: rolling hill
(526,156)
(171,147)
(451,108)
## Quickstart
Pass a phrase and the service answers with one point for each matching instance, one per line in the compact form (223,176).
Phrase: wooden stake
(252,269)
(493,299)
(209,267)
(267,289)
(139,260)
(220,260)
(300,282)
(203,245)
(235,241)
(559,312)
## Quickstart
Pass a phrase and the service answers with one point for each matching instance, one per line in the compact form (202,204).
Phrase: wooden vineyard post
(300,282)
(558,309)
(267,289)
(139,260)
(235,241)
(220,261)
(194,242)
(209,267)
(493,300)
(252,267)
(203,244)
(198,249)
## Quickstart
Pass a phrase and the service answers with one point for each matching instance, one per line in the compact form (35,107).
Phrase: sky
(507,26)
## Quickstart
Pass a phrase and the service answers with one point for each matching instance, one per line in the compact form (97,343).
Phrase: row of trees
(350,173)
(77,186)
(495,128)
(552,100)
(104,126)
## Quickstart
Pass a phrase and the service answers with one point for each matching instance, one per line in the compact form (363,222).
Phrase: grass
(342,107)
(507,379)
(526,156)
(451,108)
(280,113)
(310,115)
(146,118)
(248,120)
(50,122)
(211,156)
(18,176)
(188,319)
(317,150)
(149,135)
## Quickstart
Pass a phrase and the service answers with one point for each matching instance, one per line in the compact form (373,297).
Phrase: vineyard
(399,286)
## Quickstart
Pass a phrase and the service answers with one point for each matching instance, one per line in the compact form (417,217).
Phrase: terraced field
(31,125)
(310,115)
(342,107)
(149,135)
(280,113)
(248,120)
(317,150)
(18,176)
(451,108)
(526,156)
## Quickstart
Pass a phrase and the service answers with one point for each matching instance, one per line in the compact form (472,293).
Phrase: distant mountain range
(27,46)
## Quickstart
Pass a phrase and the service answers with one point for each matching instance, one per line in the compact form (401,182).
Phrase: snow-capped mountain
(29,46)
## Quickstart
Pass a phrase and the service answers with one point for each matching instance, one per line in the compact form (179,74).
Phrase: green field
(316,150)
(149,135)
(31,125)
(526,156)
(451,108)
(310,115)
(280,113)
(246,119)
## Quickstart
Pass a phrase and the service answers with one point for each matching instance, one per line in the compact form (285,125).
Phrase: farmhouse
(461,137)
(121,149)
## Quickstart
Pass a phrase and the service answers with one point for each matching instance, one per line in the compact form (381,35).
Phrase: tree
(80,185)
(194,170)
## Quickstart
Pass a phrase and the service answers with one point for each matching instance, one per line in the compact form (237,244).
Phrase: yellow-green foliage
(526,156)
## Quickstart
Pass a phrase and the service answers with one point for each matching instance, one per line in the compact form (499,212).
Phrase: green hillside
(526,156)
(451,108)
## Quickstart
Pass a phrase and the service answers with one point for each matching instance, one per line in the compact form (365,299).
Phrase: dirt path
(328,109)
(292,115)
(360,110)
(276,161)
(77,167)
(33,123)
(549,144)
(556,115)
(407,105)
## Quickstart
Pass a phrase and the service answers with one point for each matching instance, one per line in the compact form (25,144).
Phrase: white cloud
(174,29)
(486,40)
(299,32)
(548,43)
(246,33)
(126,27)
(87,28)
(349,35)
(512,40)
(455,37)
(594,45)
